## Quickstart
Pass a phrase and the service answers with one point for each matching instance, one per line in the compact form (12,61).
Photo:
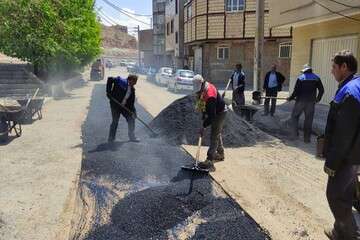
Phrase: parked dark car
(97,70)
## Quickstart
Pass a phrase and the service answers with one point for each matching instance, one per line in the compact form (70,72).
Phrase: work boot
(208,165)
(219,157)
(332,234)
(134,139)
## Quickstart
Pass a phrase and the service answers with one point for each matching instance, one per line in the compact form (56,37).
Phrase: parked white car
(163,76)
(181,80)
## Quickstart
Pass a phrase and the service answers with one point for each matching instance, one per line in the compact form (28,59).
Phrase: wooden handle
(34,96)
(198,149)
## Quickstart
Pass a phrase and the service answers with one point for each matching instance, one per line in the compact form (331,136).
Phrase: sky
(110,16)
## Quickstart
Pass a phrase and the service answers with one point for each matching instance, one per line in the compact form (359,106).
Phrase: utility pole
(139,53)
(259,43)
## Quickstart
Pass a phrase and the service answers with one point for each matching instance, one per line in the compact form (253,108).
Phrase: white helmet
(198,78)
(198,82)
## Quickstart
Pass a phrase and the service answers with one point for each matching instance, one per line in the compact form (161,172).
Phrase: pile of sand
(179,123)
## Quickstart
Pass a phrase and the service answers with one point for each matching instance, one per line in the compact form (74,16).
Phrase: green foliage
(56,35)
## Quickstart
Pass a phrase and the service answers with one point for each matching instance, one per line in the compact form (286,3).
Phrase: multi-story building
(159,32)
(320,29)
(174,31)
(220,34)
(146,47)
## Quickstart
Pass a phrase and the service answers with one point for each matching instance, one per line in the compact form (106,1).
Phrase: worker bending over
(214,114)
(121,93)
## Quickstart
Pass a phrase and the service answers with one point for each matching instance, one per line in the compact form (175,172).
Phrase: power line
(334,12)
(108,19)
(344,4)
(104,19)
(123,12)
(135,14)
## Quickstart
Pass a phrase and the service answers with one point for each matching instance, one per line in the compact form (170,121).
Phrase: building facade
(146,47)
(174,31)
(220,33)
(319,31)
(159,33)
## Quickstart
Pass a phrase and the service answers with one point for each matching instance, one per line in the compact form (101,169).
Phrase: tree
(58,37)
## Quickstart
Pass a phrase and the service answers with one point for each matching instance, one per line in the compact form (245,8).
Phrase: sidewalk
(39,171)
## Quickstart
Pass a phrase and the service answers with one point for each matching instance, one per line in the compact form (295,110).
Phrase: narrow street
(138,190)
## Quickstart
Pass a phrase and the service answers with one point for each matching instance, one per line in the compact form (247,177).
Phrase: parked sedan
(163,75)
(182,80)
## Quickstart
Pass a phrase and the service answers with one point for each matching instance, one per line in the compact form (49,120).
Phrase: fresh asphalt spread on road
(138,190)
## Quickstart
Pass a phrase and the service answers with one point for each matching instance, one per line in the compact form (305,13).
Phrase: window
(285,50)
(172,26)
(176,6)
(176,37)
(235,5)
(189,12)
(223,53)
(168,28)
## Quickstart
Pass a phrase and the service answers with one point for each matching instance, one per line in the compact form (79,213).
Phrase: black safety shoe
(208,165)
(134,139)
(331,234)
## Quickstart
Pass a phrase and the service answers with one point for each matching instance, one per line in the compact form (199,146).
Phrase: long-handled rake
(195,167)
(257,96)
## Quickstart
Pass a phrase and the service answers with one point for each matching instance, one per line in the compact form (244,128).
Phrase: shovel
(195,167)
(227,101)
(256,96)
(153,133)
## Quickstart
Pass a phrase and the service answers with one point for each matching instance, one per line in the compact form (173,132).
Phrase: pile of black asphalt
(179,123)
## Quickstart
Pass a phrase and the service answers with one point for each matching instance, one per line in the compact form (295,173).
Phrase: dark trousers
(340,194)
(270,92)
(116,112)
(308,108)
(216,143)
(238,97)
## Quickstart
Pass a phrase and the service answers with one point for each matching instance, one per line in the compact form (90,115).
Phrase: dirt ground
(39,171)
(280,184)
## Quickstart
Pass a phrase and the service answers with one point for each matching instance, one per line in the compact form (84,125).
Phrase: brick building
(174,31)
(220,33)
(146,47)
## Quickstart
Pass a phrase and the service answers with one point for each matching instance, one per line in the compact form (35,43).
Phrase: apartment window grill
(235,5)
(285,50)
(223,53)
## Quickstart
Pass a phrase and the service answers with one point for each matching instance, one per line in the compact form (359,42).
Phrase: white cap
(306,68)
(199,78)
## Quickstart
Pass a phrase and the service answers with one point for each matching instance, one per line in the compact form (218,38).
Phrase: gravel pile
(179,123)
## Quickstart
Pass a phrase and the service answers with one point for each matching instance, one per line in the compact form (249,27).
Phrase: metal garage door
(323,51)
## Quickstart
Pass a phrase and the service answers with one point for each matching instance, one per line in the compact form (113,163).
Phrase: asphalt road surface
(138,190)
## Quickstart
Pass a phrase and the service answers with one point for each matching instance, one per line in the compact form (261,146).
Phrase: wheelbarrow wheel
(18,129)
